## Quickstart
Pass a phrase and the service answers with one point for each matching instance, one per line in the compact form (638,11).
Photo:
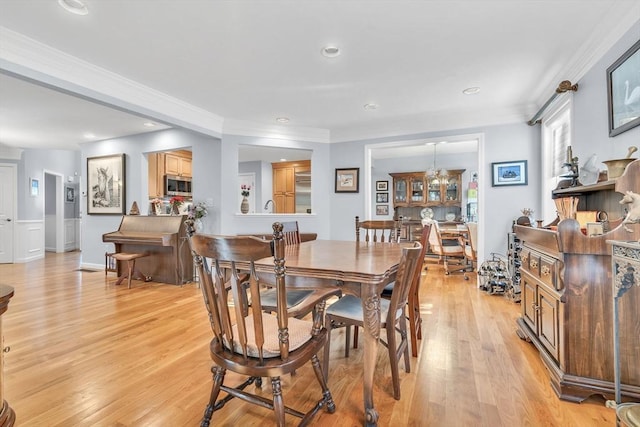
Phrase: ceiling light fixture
(471,90)
(370,107)
(88,135)
(74,6)
(149,124)
(282,120)
(437,176)
(330,51)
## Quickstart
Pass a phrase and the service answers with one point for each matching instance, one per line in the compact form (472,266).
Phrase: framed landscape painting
(106,185)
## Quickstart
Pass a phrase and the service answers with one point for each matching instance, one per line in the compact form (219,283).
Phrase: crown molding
(248,128)
(10,153)
(31,59)
(432,122)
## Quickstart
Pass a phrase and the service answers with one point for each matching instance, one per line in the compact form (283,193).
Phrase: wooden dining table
(357,268)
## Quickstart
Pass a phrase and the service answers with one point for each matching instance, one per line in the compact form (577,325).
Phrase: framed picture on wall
(382,197)
(382,185)
(70,194)
(34,187)
(509,173)
(382,209)
(623,91)
(106,185)
(347,180)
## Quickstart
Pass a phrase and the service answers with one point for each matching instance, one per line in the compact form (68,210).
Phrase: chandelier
(437,176)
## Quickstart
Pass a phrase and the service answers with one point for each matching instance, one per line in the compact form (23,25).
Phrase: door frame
(14,214)
(59,189)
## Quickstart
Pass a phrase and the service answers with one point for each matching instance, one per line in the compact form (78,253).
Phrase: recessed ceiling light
(74,6)
(471,90)
(88,135)
(283,160)
(370,106)
(282,120)
(330,51)
(149,124)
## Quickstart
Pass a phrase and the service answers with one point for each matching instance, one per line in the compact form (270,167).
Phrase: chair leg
(218,378)
(355,336)
(325,359)
(278,403)
(393,360)
(326,394)
(347,339)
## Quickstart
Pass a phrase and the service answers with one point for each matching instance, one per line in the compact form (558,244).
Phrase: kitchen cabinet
(178,163)
(291,184)
(566,309)
(156,174)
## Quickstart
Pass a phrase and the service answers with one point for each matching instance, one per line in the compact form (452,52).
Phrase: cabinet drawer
(525,255)
(549,271)
(534,263)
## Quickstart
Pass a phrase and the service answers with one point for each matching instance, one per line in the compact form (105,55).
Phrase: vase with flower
(175,202)
(244,205)
(197,212)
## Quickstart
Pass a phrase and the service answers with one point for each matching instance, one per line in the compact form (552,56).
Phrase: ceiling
(255,61)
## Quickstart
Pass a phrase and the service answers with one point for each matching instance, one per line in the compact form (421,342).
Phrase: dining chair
(246,340)
(378,230)
(469,242)
(448,248)
(347,312)
(300,302)
(413,315)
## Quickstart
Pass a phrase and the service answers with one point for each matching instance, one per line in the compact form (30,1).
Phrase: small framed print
(382,185)
(70,194)
(382,197)
(347,180)
(382,209)
(34,187)
(509,173)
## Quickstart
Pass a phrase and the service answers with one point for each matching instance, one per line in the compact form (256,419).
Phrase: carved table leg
(371,310)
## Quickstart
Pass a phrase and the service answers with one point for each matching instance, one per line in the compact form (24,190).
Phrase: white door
(7,210)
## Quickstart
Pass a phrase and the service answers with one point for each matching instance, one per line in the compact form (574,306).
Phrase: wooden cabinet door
(156,174)
(400,191)
(548,330)
(529,302)
(185,167)
(284,190)
(172,164)
(417,186)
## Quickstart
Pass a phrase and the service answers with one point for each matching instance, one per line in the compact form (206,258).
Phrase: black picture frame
(382,197)
(106,185)
(69,194)
(623,91)
(347,180)
(509,173)
(382,185)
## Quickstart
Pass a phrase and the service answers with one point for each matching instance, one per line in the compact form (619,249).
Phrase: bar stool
(132,271)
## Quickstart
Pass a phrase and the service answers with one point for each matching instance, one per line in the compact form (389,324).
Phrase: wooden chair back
(405,281)
(378,230)
(291,233)
(471,241)
(225,263)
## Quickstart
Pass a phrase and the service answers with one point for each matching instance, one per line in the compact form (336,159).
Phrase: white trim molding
(29,243)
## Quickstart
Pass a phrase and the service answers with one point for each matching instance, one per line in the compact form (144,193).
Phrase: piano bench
(132,272)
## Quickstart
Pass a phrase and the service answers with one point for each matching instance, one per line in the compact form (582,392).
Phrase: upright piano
(164,238)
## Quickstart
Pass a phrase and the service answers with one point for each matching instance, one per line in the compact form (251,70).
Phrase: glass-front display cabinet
(408,189)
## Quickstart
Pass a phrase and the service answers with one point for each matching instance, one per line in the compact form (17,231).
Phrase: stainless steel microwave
(177,185)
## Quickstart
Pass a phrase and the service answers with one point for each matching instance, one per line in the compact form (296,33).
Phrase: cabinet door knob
(7,349)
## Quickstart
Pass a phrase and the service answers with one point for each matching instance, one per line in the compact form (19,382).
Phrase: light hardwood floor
(87,353)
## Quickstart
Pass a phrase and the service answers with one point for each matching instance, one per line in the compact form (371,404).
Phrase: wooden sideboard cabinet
(447,192)
(7,416)
(409,189)
(566,307)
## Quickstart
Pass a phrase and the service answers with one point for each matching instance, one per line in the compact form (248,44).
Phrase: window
(556,138)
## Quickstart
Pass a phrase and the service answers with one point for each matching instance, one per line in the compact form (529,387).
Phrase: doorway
(409,145)
(8,204)
(53,212)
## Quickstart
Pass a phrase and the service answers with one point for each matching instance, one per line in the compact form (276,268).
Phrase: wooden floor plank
(85,352)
